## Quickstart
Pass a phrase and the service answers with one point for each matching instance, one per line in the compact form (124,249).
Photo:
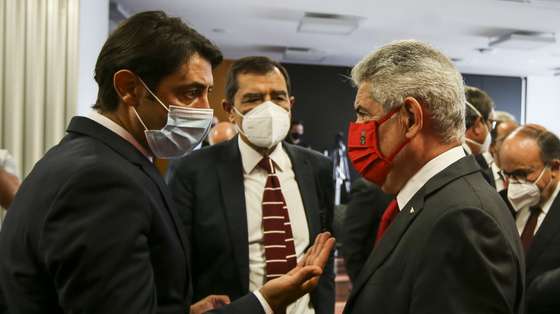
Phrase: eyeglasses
(523,174)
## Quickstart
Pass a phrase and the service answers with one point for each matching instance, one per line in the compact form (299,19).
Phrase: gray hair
(410,68)
(503,116)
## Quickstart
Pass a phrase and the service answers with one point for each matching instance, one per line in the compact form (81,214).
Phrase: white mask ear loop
(139,119)
(153,95)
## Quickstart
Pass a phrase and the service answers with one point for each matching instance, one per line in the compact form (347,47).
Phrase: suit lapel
(389,241)
(303,172)
(549,228)
(404,219)
(91,128)
(230,173)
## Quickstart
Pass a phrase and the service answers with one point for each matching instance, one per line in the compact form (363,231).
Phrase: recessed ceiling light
(331,24)
(523,40)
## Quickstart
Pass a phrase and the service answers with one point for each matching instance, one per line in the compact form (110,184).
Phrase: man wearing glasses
(530,160)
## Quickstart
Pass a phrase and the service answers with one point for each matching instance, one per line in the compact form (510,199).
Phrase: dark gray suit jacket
(543,265)
(453,248)
(92,230)
(209,192)
(363,214)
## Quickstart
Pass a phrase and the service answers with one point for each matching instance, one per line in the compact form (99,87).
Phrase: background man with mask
(252,204)
(295,136)
(479,107)
(91,229)
(530,158)
(447,244)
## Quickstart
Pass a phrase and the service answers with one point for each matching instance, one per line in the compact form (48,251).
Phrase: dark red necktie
(388,216)
(279,249)
(529,230)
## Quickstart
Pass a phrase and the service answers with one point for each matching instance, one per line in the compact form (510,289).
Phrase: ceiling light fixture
(523,40)
(331,24)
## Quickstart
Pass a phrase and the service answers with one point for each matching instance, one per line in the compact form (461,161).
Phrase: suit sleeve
(363,213)
(95,244)
(246,304)
(183,197)
(542,294)
(467,266)
(323,297)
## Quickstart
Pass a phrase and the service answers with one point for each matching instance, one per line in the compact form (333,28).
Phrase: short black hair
(253,65)
(152,45)
(481,101)
(296,122)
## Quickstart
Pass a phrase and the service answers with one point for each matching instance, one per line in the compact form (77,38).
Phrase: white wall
(543,102)
(94,29)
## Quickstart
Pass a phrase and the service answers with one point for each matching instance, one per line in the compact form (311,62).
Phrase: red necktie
(279,249)
(388,216)
(529,230)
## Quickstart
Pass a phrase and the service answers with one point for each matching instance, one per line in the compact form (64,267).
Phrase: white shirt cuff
(263,302)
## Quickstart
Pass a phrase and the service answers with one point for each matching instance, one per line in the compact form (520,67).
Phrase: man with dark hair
(251,205)
(530,159)
(295,136)
(92,229)
(477,120)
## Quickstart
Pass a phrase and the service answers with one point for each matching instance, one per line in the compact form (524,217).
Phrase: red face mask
(364,152)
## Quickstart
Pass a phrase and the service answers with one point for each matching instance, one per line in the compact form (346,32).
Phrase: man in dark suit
(447,243)
(533,190)
(92,229)
(363,215)
(223,194)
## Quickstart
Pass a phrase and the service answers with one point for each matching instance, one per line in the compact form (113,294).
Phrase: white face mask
(185,129)
(265,125)
(484,146)
(524,194)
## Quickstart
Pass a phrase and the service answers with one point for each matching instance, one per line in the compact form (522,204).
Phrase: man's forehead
(255,81)
(515,144)
(196,69)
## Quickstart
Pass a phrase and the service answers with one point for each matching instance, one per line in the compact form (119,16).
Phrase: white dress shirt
(119,130)
(428,171)
(523,214)
(254,180)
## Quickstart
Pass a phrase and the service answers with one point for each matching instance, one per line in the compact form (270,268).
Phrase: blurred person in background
(530,159)
(221,132)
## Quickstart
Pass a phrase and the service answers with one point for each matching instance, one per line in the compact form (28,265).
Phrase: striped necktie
(279,249)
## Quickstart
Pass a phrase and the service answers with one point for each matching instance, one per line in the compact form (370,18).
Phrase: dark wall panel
(324,101)
(506,91)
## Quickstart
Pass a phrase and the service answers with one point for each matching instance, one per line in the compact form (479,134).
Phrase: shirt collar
(429,170)
(251,158)
(119,130)
(546,206)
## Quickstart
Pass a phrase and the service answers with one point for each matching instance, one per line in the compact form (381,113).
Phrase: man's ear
(126,86)
(414,117)
(228,108)
(555,164)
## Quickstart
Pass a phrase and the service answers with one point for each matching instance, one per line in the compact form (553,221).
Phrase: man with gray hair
(446,243)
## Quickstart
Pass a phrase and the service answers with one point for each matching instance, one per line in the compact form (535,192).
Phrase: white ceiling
(458,27)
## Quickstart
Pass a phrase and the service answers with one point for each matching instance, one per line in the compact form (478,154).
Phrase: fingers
(314,250)
(220,300)
(307,278)
(323,256)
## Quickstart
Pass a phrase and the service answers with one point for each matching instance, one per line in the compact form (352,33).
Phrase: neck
(128,121)
(547,193)
(261,150)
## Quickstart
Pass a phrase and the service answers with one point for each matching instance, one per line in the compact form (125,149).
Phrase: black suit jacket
(453,248)
(210,195)
(91,230)
(543,264)
(363,214)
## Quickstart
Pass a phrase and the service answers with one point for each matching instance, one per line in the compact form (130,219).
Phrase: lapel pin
(411,210)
